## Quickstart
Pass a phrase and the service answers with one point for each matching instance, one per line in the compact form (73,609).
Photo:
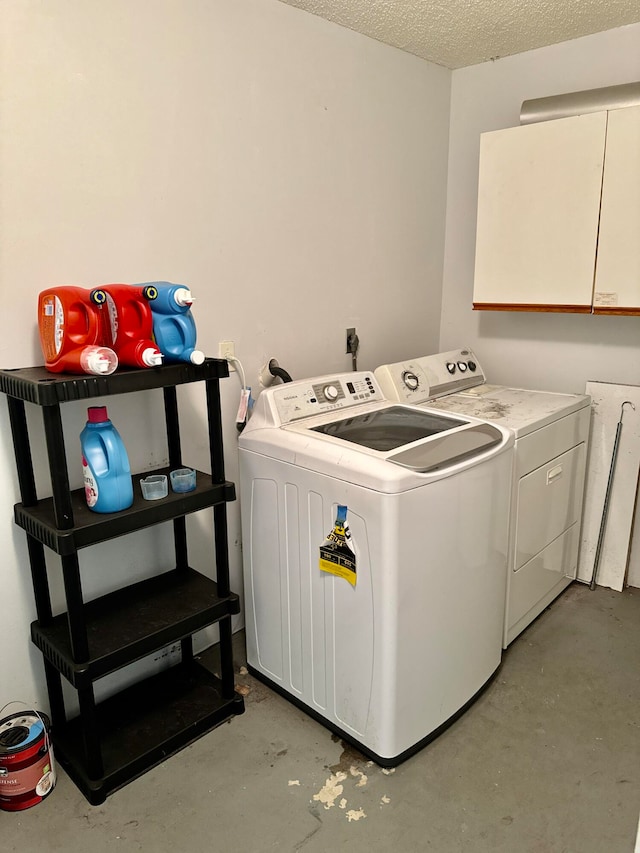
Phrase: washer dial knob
(462,366)
(451,367)
(410,380)
(331,393)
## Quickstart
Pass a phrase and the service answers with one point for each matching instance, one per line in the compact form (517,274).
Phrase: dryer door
(549,502)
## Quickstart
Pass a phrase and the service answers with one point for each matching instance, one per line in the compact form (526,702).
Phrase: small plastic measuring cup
(183,480)
(154,487)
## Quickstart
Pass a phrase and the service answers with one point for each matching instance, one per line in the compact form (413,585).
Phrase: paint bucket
(27,770)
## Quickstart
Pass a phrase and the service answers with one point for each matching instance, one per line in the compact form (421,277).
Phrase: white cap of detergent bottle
(100,361)
(152,357)
(182,297)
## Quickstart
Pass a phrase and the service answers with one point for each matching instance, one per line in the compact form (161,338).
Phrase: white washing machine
(389,651)
(552,433)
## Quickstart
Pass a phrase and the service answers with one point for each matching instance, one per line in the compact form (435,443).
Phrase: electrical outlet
(227,349)
(351,334)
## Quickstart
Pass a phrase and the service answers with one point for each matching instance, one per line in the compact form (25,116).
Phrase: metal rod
(605,508)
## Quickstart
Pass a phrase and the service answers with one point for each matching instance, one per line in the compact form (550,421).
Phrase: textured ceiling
(457,33)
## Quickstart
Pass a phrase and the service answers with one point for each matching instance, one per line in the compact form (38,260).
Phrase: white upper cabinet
(617,287)
(543,243)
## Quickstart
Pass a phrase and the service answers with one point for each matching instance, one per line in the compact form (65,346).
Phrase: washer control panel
(295,400)
(431,376)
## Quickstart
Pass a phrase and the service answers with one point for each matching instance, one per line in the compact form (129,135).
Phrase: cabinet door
(617,289)
(538,208)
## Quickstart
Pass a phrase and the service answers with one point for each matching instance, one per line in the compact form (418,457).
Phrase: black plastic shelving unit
(110,743)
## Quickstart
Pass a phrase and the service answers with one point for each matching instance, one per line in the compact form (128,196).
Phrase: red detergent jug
(130,324)
(73,332)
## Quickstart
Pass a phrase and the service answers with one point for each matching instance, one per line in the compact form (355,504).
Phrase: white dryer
(552,433)
(391,655)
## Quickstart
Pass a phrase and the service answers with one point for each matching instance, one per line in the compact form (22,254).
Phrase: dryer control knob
(472,366)
(331,393)
(462,366)
(410,380)
(451,367)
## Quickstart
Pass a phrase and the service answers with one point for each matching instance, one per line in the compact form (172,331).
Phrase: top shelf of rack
(37,385)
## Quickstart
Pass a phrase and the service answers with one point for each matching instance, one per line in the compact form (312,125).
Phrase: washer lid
(388,428)
(447,450)
(399,427)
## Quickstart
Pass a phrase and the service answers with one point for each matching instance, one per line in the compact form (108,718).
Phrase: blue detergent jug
(107,475)
(174,329)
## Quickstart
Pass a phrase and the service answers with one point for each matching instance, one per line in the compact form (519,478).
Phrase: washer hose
(280,372)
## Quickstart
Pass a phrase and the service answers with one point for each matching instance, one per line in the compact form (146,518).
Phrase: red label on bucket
(27,771)
(38,778)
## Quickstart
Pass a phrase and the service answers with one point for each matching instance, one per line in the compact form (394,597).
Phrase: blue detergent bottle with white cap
(107,474)
(174,329)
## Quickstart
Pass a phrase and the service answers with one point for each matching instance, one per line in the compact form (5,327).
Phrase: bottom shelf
(145,724)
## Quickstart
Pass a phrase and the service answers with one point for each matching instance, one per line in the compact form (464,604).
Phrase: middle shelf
(134,621)
(91,527)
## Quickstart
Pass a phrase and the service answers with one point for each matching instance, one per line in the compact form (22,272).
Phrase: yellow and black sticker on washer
(337,555)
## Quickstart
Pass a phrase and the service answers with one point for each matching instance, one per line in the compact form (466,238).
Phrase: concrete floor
(546,761)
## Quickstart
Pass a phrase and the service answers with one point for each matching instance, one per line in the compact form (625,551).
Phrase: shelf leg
(56,698)
(186,646)
(180,540)
(221,548)
(214,417)
(173,426)
(75,607)
(39,579)
(90,728)
(226,658)
(22,450)
(58,467)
